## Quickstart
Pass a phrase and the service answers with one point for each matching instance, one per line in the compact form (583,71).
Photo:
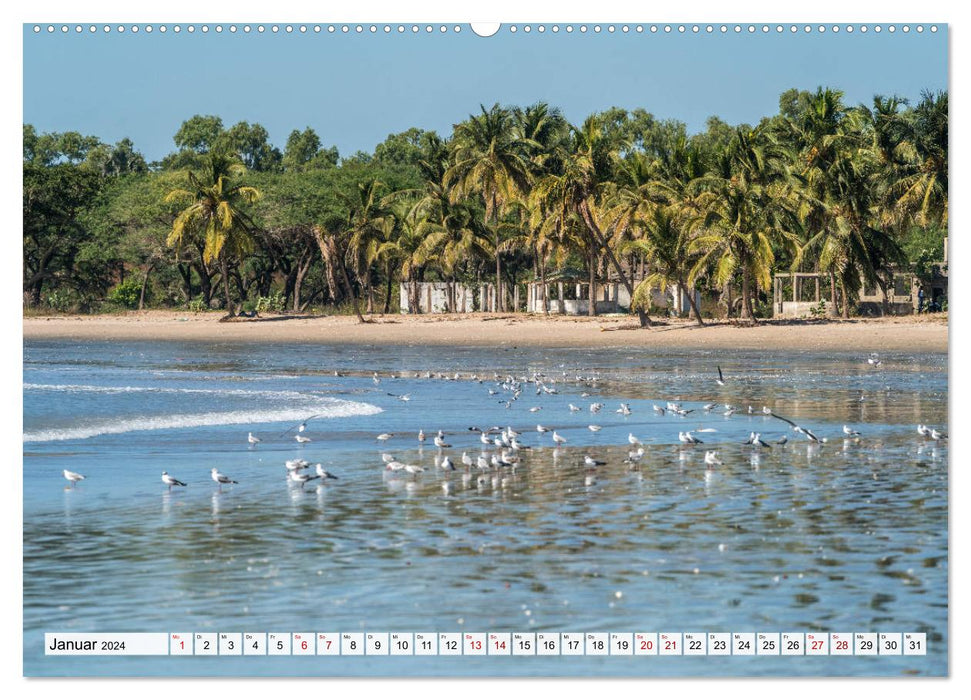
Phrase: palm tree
(578,190)
(666,242)
(490,159)
(366,225)
(745,209)
(214,211)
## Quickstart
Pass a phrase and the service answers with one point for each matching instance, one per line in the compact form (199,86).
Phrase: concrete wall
(433,297)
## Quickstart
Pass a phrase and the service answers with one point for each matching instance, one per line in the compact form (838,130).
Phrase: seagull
(73,477)
(756,440)
(782,441)
(541,428)
(534,409)
(301,478)
(466,460)
(375,378)
(323,473)
(591,462)
(296,464)
(721,380)
(688,439)
(632,439)
(447,464)
(850,432)
(440,443)
(171,481)
(303,426)
(558,439)
(574,409)
(481,462)
(874,359)
(635,456)
(923,430)
(595,428)
(421,436)
(414,469)
(385,436)
(221,478)
(658,410)
(937,434)
(624,408)
(808,433)
(301,439)
(711,458)
(253,439)
(484,439)
(595,407)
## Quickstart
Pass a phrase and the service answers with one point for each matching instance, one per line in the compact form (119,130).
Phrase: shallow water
(847,536)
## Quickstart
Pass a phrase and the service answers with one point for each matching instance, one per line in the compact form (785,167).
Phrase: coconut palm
(490,160)
(368,231)
(579,189)
(745,208)
(215,199)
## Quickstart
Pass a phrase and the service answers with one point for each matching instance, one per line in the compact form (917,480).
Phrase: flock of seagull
(501,446)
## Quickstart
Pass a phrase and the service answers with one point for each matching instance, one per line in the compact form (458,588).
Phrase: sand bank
(923,334)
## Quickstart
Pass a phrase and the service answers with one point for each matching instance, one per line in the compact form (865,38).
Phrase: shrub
(197,305)
(274,302)
(126,294)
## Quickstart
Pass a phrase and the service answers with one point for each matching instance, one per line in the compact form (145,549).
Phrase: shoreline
(927,333)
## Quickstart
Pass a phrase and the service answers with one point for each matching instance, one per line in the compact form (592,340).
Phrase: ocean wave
(87,388)
(322,408)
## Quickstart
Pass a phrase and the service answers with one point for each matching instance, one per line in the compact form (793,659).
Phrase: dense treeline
(512,195)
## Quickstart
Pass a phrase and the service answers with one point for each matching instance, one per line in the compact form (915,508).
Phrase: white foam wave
(325,408)
(87,388)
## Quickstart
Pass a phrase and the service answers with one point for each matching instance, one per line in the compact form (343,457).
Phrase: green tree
(214,212)
(490,160)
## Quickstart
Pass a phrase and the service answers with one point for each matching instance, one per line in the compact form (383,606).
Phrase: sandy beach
(924,334)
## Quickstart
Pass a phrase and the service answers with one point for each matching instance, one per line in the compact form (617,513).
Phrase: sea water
(844,536)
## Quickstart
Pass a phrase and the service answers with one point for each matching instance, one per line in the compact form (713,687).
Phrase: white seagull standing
(171,481)
(711,459)
(301,439)
(73,477)
(221,478)
(632,439)
(384,436)
(849,432)
(302,478)
(253,440)
(558,439)
(440,443)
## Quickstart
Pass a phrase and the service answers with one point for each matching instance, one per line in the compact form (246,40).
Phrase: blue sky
(355,89)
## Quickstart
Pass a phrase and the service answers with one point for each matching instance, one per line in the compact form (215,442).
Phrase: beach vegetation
(513,195)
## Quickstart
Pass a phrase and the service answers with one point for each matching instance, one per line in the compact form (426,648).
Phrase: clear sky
(355,89)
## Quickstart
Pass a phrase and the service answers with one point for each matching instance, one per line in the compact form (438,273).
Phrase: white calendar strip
(488,644)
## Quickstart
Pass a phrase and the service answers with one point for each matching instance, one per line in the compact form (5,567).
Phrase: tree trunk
(833,308)
(328,250)
(747,314)
(224,264)
(592,294)
(141,295)
(303,267)
(691,300)
(846,300)
(387,296)
(542,277)
(643,317)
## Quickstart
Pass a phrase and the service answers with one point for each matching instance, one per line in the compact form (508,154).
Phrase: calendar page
(437,349)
